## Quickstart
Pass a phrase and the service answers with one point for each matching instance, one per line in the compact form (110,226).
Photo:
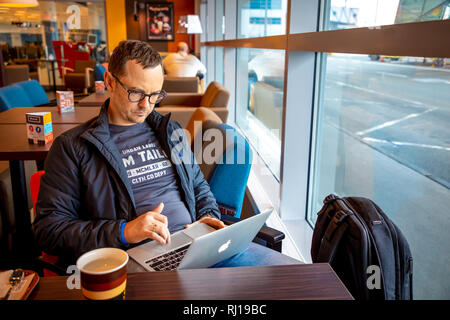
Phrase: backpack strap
(334,232)
(332,238)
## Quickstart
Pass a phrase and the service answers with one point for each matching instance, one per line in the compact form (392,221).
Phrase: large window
(259,102)
(356,110)
(344,14)
(382,132)
(260,18)
(219,35)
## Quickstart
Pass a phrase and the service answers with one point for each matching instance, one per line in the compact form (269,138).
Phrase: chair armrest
(89,77)
(64,69)
(272,237)
(186,99)
(229,220)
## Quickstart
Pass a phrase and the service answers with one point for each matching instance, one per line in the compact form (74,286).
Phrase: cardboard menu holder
(39,127)
(65,101)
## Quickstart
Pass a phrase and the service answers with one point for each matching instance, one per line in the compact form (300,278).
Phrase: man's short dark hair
(137,50)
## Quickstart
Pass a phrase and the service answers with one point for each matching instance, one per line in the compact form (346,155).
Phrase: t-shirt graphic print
(151,174)
(145,154)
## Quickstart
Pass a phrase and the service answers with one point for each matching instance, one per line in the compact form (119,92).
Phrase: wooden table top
(94,99)
(300,281)
(17,146)
(81,115)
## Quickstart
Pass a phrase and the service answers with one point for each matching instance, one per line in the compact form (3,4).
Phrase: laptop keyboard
(169,261)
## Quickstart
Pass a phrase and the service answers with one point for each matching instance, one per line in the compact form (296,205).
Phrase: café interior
(289,79)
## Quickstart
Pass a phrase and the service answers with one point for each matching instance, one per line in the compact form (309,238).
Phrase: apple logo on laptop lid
(224,247)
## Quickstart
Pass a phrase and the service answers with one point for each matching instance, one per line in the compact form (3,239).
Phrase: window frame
(306,43)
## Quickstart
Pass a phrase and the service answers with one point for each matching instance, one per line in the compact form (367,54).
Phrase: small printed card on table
(39,127)
(99,86)
(65,101)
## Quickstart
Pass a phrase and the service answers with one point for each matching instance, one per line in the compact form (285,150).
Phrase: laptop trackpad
(198,230)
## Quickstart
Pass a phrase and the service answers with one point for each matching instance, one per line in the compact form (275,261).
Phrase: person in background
(183,64)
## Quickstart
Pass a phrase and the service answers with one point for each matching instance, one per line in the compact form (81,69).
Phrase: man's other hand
(151,224)
(212,222)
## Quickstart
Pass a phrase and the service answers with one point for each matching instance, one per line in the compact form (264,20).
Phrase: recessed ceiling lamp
(18,3)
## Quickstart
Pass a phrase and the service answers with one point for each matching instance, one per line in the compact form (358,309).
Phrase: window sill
(301,234)
(294,245)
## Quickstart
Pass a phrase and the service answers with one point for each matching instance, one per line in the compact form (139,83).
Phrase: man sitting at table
(183,64)
(114,181)
(128,175)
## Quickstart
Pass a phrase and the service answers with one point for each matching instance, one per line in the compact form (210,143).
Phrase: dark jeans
(256,255)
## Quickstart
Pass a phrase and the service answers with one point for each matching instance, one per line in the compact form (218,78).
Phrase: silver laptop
(199,246)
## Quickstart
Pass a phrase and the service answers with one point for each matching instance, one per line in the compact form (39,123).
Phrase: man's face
(123,112)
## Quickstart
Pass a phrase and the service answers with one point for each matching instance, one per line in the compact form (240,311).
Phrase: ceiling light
(18,3)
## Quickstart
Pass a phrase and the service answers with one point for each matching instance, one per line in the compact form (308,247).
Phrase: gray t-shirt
(152,176)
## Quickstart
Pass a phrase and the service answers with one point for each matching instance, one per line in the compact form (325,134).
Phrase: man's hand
(151,224)
(212,222)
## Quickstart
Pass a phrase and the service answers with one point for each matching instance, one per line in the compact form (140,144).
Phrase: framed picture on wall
(160,24)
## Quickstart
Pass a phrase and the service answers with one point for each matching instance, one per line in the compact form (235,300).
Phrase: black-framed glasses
(138,96)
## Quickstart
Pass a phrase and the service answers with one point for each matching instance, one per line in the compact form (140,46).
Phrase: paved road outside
(384,134)
(399,109)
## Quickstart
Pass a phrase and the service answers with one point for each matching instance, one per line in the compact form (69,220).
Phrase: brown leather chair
(33,67)
(266,103)
(16,73)
(180,84)
(82,76)
(183,105)
(198,118)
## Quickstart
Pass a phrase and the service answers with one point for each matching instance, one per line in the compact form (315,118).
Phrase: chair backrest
(229,179)
(81,65)
(180,84)
(99,72)
(35,182)
(16,72)
(34,91)
(13,96)
(71,54)
(226,166)
(216,95)
(194,126)
(267,104)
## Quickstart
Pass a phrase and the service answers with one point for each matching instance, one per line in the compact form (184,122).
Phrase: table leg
(54,77)
(23,244)
(48,72)
(40,164)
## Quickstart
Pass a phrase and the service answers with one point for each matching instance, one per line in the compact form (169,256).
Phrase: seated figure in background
(183,64)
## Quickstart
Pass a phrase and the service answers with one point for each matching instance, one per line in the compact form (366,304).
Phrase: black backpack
(364,247)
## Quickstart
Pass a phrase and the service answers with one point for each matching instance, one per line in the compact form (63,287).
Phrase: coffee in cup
(103,273)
